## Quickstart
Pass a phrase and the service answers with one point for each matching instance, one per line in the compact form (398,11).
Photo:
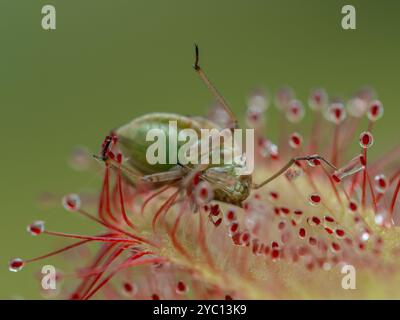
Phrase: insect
(227,186)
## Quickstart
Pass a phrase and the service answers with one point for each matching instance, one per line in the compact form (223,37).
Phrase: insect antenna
(213,89)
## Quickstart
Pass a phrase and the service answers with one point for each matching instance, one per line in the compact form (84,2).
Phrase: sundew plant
(331,209)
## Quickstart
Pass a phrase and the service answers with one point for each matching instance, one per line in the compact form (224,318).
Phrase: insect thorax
(238,191)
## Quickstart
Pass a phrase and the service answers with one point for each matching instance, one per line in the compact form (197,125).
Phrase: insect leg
(129,172)
(200,170)
(214,91)
(288,165)
(174,174)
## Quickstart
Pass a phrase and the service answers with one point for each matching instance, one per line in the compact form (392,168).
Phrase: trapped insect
(311,218)
(227,186)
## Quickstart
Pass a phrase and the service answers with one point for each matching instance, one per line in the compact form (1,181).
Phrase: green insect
(228,187)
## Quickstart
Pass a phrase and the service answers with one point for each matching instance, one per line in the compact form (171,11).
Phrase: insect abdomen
(132,139)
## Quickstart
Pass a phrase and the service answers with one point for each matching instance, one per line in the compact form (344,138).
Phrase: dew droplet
(312,241)
(181,288)
(259,98)
(285,210)
(326,266)
(379,219)
(381,183)
(255,112)
(329,219)
(314,199)
(237,239)
(245,238)
(340,233)
(314,221)
(295,111)
(71,202)
(275,254)
(218,222)
(336,177)
(283,97)
(366,140)
(318,99)
(251,221)
(269,149)
(295,140)
(36,228)
(365,236)
(286,237)
(313,161)
(298,212)
(336,113)
(292,174)
(203,193)
(255,246)
(353,206)
(129,288)
(357,218)
(335,246)
(375,110)
(357,107)
(233,228)
(214,210)
(16,265)
(230,216)
(274,195)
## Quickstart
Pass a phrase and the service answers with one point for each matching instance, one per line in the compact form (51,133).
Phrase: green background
(109,61)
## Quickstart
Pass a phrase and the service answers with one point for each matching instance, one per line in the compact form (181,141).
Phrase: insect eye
(107,145)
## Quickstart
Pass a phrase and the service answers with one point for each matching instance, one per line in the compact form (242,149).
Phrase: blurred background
(110,61)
